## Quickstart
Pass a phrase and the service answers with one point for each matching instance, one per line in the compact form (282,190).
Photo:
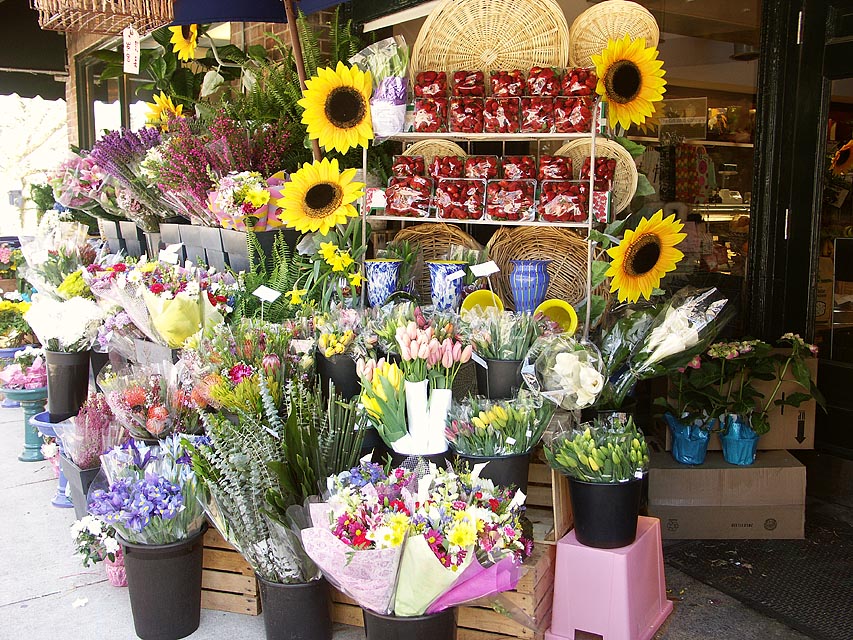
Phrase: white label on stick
(131,50)
(479,360)
(485,269)
(168,257)
(456,275)
(266,294)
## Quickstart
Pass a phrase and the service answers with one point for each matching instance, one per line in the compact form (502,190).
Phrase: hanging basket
(624,177)
(609,20)
(565,248)
(102,16)
(492,34)
(431,148)
(434,240)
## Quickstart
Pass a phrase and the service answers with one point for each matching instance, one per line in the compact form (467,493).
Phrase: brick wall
(76,43)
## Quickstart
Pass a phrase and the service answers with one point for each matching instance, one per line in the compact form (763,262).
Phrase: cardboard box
(823,303)
(717,500)
(790,427)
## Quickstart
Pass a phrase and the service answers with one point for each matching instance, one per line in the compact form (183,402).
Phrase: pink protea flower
(240,372)
(271,362)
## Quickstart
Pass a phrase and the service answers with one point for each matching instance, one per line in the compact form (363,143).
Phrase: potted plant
(25,381)
(67,329)
(92,432)
(744,410)
(96,541)
(499,433)
(605,461)
(15,332)
(152,501)
(407,564)
(10,259)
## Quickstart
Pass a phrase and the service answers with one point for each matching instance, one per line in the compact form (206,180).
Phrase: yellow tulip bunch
(383,396)
(332,344)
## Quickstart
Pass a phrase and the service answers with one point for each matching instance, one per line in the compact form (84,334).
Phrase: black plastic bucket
(605,513)
(67,383)
(504,471)
(296,611)
(164,582)
(436,626)
(339,369)
(501,380)
(79,481)
(381,453)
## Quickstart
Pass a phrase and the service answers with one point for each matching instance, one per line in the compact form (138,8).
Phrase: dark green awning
(29,57)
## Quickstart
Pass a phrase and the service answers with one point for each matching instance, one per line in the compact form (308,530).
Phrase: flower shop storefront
(411,332)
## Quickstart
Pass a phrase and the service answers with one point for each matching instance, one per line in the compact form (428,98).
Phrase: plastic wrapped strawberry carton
(407,166)
(537,114)
(431,84)
(543,81)
(502,115)
(605,168)
(505,84)
(408,197)
(579,82)
(573,114)
(511,200)
(430,115)
(469,83)
(555,168)
(483,167)
(466,115)
(460,199)
(446,167)
(518,168)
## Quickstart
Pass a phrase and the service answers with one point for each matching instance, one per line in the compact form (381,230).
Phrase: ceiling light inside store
(744,52)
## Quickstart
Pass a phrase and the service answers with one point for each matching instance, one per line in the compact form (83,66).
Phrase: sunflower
(337,107)
(630,77)
(161,111)
(843,160)
(644,256)
(185,39)
(319,196)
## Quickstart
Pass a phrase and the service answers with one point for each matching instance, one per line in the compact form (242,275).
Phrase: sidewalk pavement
(45,592)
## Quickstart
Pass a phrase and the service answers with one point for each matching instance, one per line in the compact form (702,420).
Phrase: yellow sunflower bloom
(161,111)
(630,77)
(337,107)
(185,41)
(843,160)
(644,256)
(319,196)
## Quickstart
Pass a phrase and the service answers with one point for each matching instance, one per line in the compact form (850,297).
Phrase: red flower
(158,412)
(494,504)
(157,288)
(120,266)
(134,396)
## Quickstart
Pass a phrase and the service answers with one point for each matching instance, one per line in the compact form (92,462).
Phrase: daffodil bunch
(14,330)
(336,256)
(332,344)
(384,398)
(481,427)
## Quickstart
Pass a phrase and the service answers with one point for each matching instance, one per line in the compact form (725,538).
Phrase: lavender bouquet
(119,154)
(153,493)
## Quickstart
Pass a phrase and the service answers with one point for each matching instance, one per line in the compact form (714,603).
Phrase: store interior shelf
(703,143)
(491,137)
(497,223)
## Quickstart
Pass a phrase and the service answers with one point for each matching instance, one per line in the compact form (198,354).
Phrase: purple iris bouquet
(119,154)
(152,494)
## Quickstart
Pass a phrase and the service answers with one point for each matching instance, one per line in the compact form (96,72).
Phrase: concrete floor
(46,593)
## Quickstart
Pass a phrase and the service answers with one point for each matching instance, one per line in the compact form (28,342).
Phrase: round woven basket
(566,249)
(624,177)
(609,20)
(434,240)
(433,147)
(492,34)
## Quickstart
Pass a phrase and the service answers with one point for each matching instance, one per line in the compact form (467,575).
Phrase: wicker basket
(624,177)
(433,147)
(566,249)
(102,16)
(492,34)
(609,20)
(434,240)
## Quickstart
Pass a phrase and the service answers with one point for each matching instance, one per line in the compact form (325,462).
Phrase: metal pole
(297,56)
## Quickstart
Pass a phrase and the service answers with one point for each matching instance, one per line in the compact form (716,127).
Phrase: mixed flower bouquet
(602,452)
(67,326)
(118,335)
(14,330)
(482,427)
(92,432)
(57,250)
(95,540)
(27,371)
(78,183)
(153,494)
(244,199)
(409,543)
(10,260)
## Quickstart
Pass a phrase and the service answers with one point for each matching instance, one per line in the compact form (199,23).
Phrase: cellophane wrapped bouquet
(57,250)
(416,542)
(245,199)
(92,432)
(152,494)
(27,370)
(504,335)
(478,426)
(566,371)
(67,326)
(387,62)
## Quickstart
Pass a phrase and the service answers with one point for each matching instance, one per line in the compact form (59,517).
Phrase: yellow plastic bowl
(560,312)
(481,298)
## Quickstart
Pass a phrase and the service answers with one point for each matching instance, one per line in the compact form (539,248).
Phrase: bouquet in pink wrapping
(244,200)
(416,542)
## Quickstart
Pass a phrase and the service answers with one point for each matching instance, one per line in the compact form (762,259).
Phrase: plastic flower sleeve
(681,330)
(566,371)
(387,61)
(423,579)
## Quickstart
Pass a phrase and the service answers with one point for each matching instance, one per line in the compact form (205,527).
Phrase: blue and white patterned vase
(446,289)
(529,282)
(381,279)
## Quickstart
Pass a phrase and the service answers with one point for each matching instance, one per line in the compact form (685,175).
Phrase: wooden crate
(548,505)
(228,583)
(533,598)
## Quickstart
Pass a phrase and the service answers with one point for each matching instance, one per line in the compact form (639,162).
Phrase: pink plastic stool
(613,594)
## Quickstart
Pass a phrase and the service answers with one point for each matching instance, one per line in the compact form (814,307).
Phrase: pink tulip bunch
(444,359)
(414,350)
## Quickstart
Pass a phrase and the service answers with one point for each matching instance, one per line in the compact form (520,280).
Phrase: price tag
(485,269)
(479,360)
(529,433)
(266,294)
(510,441)
(375,198)
(456,275)
(131,50)
(168,257)
(302,346)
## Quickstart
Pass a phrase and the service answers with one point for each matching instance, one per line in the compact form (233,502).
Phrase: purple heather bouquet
(153,493)
(93,432)
(120,154)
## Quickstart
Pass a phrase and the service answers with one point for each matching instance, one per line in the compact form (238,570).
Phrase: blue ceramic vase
(445,286)
(739,441)
(689,439)
(529,282)
(381,279)
(41,421)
